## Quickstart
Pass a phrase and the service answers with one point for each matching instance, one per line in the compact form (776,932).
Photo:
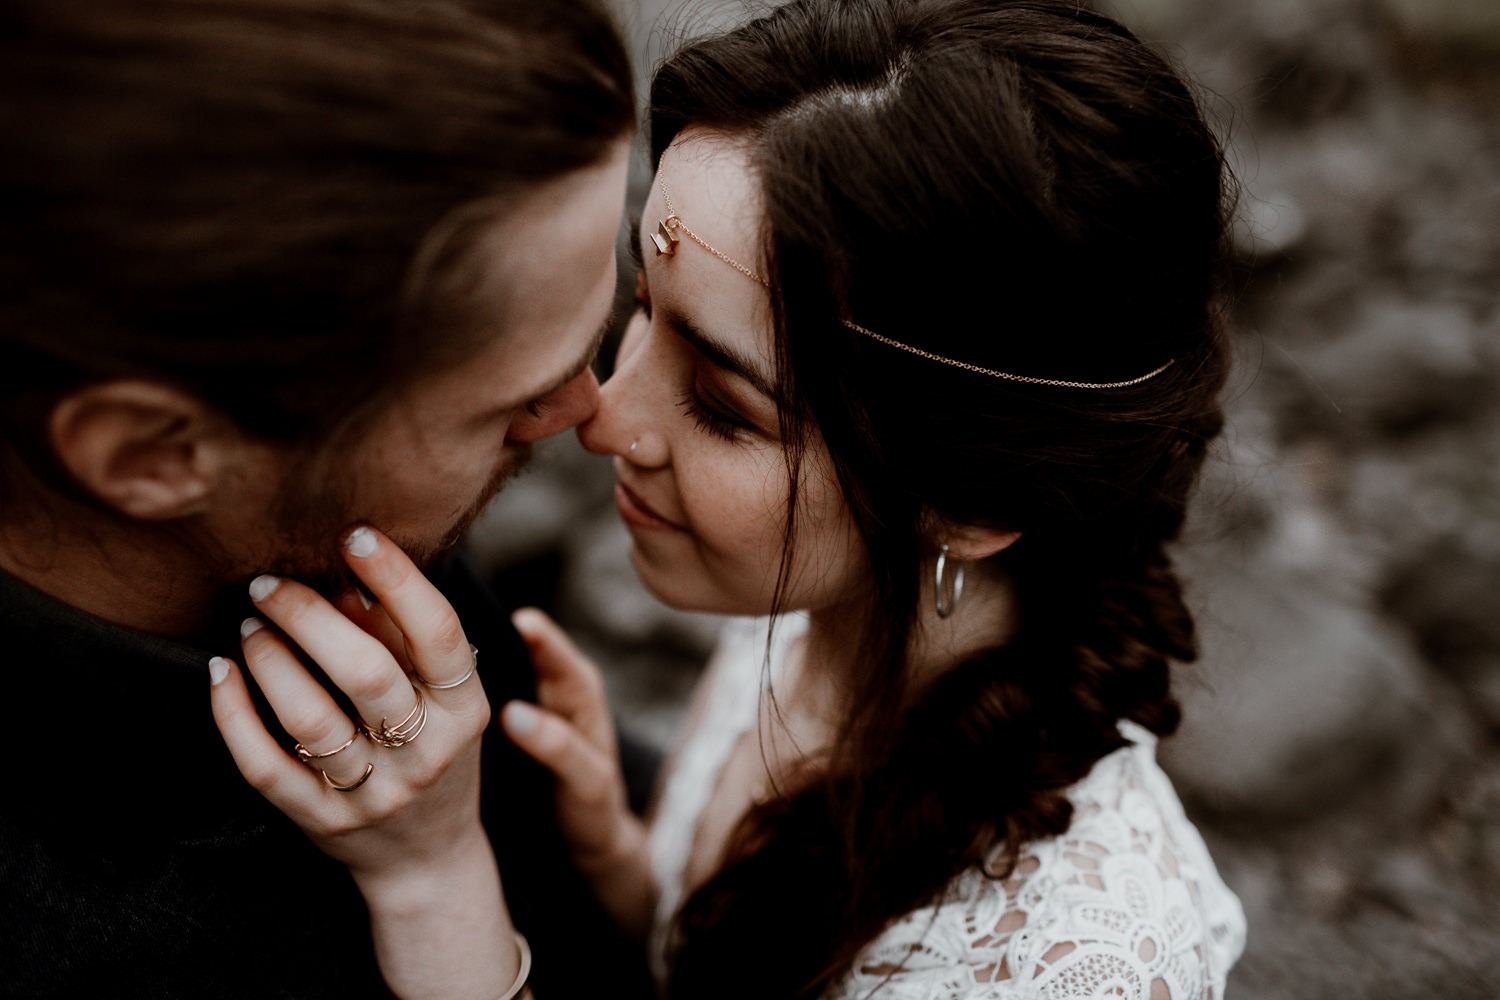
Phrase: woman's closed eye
(713,417)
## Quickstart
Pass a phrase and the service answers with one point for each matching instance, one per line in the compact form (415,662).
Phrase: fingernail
(521,719)
(218,669)
(263,587)
(364,599)
(250,626)
(361,542)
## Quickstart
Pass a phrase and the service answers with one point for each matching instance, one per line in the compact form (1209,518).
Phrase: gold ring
(404,731)
(369,769)
(306,756)
(447,685)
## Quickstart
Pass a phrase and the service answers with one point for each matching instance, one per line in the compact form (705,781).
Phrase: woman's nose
(564,407)
(626,416)
(604,432)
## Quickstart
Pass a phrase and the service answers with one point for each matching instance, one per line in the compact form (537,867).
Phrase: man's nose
(567,406)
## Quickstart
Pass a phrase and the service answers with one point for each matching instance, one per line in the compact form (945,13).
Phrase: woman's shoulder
(1127,903)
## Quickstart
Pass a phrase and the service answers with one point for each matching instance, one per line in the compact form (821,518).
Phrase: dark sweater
(136,862)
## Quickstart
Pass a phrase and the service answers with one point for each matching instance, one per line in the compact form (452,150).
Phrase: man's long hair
(272,203)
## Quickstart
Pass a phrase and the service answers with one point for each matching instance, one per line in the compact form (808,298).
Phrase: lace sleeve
(1126,905)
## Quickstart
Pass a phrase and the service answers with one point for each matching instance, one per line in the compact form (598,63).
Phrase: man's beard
(315,510)
(503,474)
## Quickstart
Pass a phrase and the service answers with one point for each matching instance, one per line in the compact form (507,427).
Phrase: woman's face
(691,418)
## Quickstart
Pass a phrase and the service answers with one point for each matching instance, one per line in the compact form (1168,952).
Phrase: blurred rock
(1447,600)
(1398,365)
(1473,22)
(1270,225)
(1301,700)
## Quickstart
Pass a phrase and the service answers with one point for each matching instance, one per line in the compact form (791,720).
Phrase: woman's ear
(972,543)
(151,451)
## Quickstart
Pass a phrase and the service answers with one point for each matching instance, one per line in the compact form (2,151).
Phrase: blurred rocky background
(1342,749)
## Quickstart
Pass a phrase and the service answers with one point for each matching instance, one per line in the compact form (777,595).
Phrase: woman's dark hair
(275,203)
(1025,187)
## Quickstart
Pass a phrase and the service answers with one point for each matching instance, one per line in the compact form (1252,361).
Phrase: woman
(927,352)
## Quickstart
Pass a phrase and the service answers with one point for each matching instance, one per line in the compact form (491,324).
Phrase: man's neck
(134,575)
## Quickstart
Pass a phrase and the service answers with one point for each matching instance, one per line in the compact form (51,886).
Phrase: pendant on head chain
(665,239)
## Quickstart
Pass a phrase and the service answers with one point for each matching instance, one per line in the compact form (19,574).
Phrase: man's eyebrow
(720,353)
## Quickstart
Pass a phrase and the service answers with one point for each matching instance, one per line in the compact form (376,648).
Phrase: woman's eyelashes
(714,419)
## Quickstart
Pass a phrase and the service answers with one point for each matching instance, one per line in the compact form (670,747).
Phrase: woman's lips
(635,511)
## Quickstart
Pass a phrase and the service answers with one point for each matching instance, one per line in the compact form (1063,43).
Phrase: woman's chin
(682,592)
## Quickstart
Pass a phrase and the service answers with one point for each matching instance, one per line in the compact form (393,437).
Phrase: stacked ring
(402,732)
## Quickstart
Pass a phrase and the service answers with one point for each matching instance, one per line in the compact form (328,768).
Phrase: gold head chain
(666,240)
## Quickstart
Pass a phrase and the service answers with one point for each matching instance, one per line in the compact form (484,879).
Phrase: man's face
(440,450)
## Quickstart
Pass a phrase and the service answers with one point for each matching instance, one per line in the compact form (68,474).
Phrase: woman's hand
(392,792)
(572,735)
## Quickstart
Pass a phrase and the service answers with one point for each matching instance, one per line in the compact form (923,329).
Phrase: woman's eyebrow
(720,353)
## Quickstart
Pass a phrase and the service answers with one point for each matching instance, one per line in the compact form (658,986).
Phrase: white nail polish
(361,543)
(263,587)
(218,669)
(250,626)
(521,719)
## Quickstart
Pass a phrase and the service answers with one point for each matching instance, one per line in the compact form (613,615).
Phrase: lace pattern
(1126,905)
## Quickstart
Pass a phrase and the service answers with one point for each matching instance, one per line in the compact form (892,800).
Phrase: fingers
(568,682)
(589,782)
(265,765)
(356,662)
(326,735)
(373,620)
(435,641)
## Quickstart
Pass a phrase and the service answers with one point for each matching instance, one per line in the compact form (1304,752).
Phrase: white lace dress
(1127,905)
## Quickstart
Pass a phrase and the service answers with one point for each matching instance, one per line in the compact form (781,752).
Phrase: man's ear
(971,543)
(147,449)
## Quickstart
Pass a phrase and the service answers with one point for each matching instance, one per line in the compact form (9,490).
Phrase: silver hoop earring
(947,588)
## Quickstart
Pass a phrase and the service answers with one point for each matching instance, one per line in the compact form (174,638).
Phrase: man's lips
(637,512)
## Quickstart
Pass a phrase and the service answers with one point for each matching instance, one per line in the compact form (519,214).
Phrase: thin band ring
(449,685)
(369,769)
(306,756)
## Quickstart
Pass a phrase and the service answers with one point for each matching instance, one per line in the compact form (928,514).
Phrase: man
(270,267)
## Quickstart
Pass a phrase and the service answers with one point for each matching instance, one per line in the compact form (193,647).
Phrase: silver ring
(448,685)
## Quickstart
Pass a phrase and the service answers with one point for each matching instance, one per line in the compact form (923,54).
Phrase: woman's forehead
(712,187)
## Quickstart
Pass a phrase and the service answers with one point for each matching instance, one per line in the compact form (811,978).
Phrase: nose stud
(649,451)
